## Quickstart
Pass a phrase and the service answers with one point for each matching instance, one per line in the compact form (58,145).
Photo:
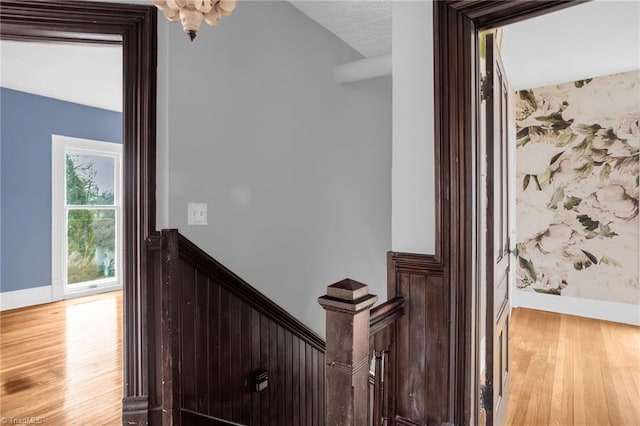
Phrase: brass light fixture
(192,12)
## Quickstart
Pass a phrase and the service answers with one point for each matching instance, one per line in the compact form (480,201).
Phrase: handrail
(236,336)
(191,253)
(385,314)
(381,321)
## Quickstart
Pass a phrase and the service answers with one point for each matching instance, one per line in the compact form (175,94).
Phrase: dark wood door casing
(134,27)
(456,25)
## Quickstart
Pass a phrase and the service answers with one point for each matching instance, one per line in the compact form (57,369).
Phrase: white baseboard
(599,309)
(27,297)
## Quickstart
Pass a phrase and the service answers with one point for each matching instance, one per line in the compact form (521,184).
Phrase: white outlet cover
(197,214)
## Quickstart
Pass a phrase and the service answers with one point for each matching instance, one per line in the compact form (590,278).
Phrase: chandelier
(192,12)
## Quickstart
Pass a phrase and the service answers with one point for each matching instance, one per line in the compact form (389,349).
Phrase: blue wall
(27,122)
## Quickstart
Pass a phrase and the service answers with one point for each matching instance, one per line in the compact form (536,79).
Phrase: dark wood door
(497,301)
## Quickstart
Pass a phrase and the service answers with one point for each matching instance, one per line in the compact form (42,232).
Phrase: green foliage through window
(91,233)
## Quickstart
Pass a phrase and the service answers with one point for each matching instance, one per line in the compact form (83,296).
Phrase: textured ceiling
(365,25)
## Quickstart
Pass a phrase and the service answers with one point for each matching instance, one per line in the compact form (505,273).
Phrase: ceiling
(365,25)
(592,39)
(589,40)
(595,38)
(84,74)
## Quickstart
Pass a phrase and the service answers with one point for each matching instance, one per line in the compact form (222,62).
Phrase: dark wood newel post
(347,352)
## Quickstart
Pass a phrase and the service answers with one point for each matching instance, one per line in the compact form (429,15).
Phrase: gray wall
(295,168)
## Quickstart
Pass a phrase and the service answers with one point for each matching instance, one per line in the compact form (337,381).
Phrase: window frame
(60,145)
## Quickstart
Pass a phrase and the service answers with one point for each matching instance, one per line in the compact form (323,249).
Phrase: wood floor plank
(560,374)
(62,362)
(595,406)
(568,370)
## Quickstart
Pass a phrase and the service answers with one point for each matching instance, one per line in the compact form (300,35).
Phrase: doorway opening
(62,230)
(456,28)
(574,197)
(134,28)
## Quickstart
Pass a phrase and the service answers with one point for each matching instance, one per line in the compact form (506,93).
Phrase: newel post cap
(347,295)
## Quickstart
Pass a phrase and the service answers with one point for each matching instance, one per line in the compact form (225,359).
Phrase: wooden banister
(358,336)
(219,338)
(347,353)
(384,315)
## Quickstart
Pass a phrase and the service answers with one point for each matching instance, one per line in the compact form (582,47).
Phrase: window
(86,216)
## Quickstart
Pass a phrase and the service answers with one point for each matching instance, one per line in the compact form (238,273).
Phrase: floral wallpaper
(577,188)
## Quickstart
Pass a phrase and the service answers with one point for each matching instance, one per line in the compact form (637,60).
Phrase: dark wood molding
(135,410)
(384,315)
(191,418)
(492,14)
(134,27)
(401,421)
(191,253)
(171,283)
(414,262)
(456,25)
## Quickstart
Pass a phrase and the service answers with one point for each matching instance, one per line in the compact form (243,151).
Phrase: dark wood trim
(413,262)
(134,27)
(456,25)
(170,332)
(191,418)
(384,315)
(491,14)
(154,330)
(192,254)
(137,411)
(401,421)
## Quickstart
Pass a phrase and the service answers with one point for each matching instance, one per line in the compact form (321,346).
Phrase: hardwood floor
(568,370)
(61,363)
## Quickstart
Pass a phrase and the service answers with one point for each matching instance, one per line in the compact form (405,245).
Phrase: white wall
(413,194)
(295,168)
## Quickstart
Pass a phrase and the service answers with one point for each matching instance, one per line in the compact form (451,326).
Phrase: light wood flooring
(62,362)
(568,370)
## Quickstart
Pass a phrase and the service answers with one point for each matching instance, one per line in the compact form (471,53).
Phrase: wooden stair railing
(382,319)
(355,334)
(217,336)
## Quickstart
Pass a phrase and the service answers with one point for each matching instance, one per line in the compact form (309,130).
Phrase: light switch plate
(197,214)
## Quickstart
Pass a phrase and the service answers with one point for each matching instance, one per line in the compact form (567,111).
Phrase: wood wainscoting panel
(420,356)
(225,332)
